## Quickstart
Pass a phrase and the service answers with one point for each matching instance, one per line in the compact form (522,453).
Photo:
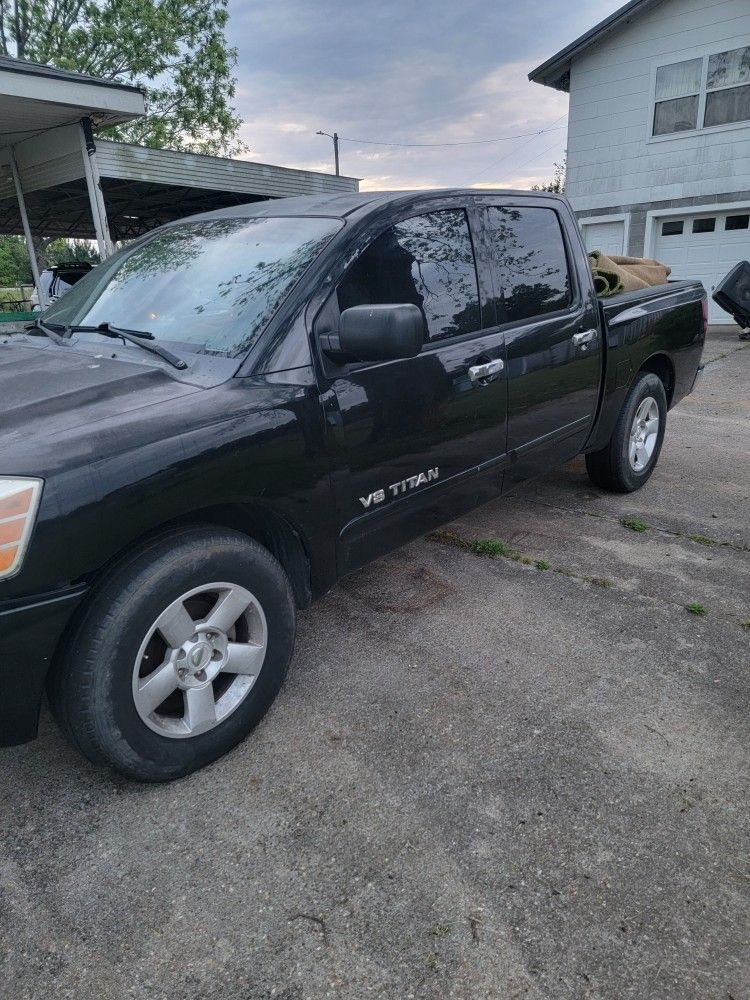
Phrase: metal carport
(59,179)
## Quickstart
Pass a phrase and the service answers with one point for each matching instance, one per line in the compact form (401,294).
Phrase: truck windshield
(214,283)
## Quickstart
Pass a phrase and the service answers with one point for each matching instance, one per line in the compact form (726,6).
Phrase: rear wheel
(630,457)
(179,654)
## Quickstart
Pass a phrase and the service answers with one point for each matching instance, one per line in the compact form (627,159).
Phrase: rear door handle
(487,371)
(584,337)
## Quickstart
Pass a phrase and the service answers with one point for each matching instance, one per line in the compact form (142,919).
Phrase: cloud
(409,73)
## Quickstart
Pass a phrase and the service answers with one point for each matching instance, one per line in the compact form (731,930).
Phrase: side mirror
(377,333)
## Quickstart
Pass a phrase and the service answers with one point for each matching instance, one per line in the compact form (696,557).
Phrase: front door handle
(487,371)
(584,337)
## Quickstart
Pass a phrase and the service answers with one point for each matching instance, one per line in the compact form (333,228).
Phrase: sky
(414,71)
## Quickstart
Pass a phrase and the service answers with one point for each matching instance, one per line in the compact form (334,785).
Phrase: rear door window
(428,261)
(530,265)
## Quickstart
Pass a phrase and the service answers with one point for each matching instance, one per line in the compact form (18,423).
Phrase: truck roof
(343,205)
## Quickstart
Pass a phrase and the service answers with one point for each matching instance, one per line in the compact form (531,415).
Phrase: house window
(702,93)
(678,89)
(704,225)
(737,222)
(728,87)
(672,228)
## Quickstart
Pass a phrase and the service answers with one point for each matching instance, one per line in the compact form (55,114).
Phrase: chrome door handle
(584,337)
(478,373)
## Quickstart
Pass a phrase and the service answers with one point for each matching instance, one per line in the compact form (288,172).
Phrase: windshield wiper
(50,332)
(142,338)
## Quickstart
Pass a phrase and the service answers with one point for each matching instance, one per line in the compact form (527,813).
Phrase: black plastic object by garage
(733,293)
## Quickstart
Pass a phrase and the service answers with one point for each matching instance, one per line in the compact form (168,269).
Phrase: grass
(493,548)
(696,609)
(703,540)
(633,523)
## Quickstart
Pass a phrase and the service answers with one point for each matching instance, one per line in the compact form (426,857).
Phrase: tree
(175,49)
(557,184)
(63,251)
(15,268)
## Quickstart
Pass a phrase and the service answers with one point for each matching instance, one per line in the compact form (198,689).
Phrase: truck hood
(48,390)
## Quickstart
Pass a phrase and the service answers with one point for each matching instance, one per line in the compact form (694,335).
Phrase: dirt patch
(394,585)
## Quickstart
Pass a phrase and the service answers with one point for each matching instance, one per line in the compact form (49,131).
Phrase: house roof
(555,72)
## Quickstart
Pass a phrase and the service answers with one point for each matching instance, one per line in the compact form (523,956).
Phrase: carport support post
(94,186)
(27,229)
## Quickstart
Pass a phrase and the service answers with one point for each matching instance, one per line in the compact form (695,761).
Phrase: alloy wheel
(199,660)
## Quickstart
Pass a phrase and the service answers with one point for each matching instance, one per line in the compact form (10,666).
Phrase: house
(659,134)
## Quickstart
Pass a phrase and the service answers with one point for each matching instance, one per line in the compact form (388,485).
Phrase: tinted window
(671,228)
(531,268)
(427,261)
(737,222)
(704,225)
(214,283)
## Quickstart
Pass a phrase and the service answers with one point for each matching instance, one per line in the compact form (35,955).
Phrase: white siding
(612,158)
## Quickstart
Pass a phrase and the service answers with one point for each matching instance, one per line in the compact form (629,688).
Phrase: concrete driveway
(484,778)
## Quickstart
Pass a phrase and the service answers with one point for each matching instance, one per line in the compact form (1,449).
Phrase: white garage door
(704,246)
(608,237)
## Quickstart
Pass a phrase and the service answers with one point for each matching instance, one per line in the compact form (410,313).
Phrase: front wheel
(628,460)
(178,655)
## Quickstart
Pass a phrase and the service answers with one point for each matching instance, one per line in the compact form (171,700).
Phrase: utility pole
(335,138)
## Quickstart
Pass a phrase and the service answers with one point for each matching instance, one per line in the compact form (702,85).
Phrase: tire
(614,467)
(132,630)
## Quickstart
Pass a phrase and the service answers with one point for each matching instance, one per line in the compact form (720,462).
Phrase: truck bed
(661,329)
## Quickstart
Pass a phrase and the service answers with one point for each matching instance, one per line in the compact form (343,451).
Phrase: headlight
(19,501)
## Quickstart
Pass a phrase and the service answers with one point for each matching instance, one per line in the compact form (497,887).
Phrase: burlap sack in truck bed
(615,273)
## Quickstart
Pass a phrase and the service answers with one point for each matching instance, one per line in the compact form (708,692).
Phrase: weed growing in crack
(633,523)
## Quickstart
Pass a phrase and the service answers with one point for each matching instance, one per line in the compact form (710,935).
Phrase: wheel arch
(265,526)
(662,366)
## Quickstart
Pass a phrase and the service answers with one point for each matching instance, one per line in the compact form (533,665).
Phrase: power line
(438,145)
(536,156)
(495,163)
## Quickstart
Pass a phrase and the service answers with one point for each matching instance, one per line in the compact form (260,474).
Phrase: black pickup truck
(236,410)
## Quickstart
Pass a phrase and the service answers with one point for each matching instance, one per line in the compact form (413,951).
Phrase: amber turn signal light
(19,502)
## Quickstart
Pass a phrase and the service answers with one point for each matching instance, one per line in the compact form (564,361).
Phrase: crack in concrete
(493,549)
(696,538)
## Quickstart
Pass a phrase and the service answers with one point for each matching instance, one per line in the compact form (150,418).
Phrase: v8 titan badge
(403,486)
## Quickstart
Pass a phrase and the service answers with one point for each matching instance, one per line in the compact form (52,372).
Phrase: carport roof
(144,188)
(35,98)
